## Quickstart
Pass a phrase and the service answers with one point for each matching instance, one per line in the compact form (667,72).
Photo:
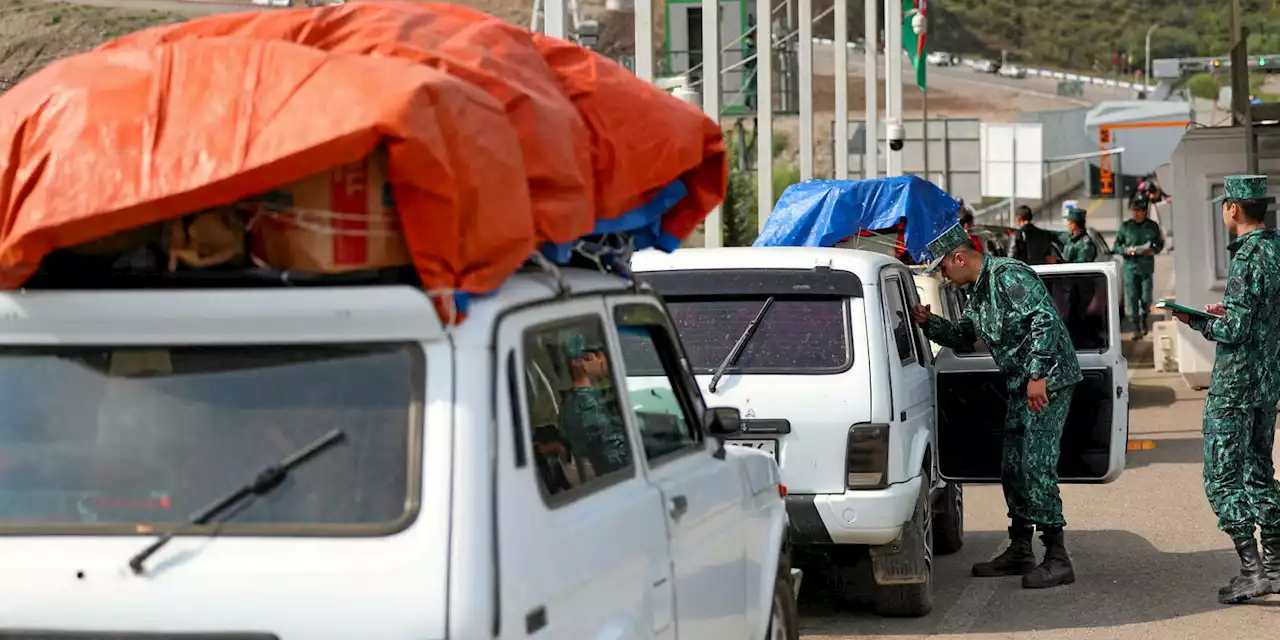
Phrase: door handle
(679,505)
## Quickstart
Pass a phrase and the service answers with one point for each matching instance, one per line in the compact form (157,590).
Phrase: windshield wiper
(265,482)
(739,345)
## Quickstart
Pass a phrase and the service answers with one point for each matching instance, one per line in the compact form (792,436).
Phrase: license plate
(769,446)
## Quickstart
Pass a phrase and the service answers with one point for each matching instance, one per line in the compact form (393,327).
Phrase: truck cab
(249,462)
(875,428)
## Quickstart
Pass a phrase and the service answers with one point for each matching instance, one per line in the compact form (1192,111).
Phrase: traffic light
(1217,63)
(1262,62)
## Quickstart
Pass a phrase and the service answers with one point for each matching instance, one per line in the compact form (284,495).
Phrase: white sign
(1012,153)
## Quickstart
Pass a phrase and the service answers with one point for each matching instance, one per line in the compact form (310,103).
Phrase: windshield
(136,439)
(799,335)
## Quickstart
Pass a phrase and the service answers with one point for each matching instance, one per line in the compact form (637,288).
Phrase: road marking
(1097,202)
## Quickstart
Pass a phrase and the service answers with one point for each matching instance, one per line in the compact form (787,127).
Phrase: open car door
(971,398)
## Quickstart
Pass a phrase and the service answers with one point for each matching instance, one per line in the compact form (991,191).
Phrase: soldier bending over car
(1010,309)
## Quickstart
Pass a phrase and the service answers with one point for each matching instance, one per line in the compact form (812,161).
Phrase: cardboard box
(333,222)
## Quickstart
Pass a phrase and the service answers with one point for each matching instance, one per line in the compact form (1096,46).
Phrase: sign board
(1012,158)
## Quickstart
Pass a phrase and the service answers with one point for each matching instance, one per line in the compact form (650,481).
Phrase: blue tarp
(821,213)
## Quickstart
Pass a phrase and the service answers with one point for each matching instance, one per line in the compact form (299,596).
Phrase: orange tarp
(498,140)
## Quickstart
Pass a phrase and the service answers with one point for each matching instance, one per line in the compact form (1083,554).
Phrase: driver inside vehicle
(590,425)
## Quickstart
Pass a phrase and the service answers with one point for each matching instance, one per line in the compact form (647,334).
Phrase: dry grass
(34,33)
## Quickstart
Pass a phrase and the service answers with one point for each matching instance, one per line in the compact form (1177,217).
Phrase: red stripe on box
(349,198)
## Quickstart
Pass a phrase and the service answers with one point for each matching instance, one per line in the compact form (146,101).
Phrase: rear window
(803,335)
(128,439)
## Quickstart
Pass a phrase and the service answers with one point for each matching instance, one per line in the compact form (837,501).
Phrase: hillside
(1084,35)
(34,33)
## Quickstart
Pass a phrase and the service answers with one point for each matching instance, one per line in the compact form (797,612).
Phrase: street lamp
(1146,81)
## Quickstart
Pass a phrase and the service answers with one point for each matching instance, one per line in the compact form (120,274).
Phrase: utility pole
(871,132)
(713,231)
(764,111)
(806,87)
(1146,82)
(893,78)
(841,54)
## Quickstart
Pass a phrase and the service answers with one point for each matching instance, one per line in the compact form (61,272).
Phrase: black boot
(1056,568)
(1017,560)
(1252,581)
(1271,561)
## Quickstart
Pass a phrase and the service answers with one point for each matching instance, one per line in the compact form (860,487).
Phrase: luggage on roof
(499,142)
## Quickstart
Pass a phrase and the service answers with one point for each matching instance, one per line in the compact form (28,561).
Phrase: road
(1147,553)
(962,79)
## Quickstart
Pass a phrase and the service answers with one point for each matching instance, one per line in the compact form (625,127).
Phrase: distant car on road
(986,66)
(942,59)
(1011,71)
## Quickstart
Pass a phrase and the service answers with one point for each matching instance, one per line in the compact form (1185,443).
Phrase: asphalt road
(962,78)
(1147,552)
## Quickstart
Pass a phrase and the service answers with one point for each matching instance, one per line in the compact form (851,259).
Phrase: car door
(971,397)
(582,550)
(702,489)
(911,382)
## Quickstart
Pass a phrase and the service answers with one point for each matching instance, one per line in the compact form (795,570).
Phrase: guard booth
(1147,131)
(1200,162)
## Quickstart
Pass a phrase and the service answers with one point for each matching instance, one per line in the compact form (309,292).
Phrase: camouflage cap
(576,344)
(946,242)
(1076,215)
(1244,188)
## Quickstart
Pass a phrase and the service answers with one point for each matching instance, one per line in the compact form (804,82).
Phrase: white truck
(334,462)
(874,433)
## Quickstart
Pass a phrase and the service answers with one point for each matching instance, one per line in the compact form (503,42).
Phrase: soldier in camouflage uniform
(1009,308)
(588,421)
(1077,246)
(1240,408)
(1139,239)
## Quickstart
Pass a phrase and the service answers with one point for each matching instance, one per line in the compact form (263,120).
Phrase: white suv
(873,433)
(362,471)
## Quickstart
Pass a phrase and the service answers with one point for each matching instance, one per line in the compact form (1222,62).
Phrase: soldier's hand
(1216,308)
(1130,251)
(921,313)
(1037,394)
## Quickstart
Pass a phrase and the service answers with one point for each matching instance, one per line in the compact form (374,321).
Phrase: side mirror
(722,421)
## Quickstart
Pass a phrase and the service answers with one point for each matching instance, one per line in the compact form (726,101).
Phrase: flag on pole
(915,44)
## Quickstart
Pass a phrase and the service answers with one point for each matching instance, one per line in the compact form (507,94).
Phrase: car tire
(948,519)
(784,615)
(912,600)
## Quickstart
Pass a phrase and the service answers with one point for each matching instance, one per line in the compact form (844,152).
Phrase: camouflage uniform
(1240,407)
(1139,270)
(1009,308)
(589,422)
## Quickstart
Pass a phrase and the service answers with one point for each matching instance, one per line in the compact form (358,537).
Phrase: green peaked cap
(1244,188)
(576,344)
(947,241)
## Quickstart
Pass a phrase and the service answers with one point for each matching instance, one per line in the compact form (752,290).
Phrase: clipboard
(1177,308)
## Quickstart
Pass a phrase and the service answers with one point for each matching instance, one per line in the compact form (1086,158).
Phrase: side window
(658,388)
(899,319)
(574,412)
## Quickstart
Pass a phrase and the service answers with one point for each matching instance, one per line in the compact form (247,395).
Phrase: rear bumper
(852,517)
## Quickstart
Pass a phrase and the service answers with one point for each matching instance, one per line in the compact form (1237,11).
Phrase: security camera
(895,134)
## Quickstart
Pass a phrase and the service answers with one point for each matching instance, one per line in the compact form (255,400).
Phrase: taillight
(867,456)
